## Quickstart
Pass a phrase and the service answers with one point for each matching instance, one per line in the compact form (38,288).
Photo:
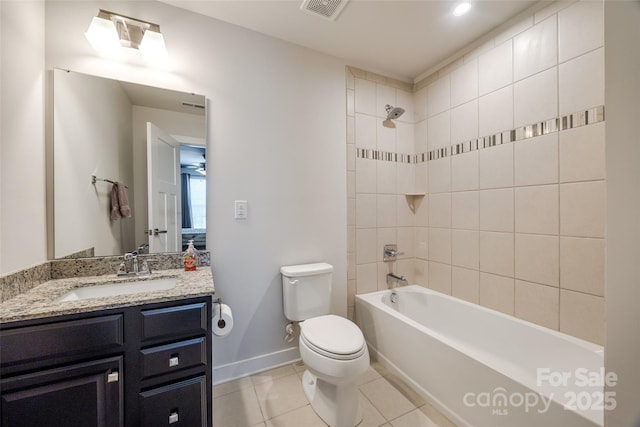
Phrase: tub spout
(394,278)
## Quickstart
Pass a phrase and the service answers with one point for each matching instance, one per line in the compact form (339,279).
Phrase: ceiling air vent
(327,9)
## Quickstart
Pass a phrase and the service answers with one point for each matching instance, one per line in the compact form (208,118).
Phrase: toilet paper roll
(222,321)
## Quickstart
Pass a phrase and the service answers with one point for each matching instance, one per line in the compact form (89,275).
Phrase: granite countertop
(40,302)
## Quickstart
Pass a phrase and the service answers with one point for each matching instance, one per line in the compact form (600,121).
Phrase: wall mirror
(151,140)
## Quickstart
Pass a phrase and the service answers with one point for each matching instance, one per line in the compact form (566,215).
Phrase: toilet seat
(333,336)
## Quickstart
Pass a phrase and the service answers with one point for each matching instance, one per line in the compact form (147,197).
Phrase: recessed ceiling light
(461,9)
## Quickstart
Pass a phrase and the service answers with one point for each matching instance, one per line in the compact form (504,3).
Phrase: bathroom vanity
(142,359)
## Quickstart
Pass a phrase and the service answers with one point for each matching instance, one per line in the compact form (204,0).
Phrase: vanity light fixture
(110,31)
(461,9)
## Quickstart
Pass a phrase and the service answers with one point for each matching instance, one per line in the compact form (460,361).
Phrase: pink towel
(119,202)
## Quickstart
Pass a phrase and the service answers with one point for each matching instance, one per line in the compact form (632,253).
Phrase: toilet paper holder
(221,322)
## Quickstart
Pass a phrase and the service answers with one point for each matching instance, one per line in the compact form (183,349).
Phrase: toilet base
(337,404)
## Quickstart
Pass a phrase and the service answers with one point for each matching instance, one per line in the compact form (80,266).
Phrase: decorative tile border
(387,156)
(570,121)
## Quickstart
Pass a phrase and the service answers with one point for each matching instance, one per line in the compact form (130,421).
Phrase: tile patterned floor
(275,398)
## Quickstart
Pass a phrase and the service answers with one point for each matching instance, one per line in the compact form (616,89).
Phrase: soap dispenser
(189,258)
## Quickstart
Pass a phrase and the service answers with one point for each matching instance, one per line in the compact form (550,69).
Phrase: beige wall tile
(495,112)
(582,265)
(535,98)
(497,292)
(387,177)
(465,171)
(465,284)
(535,49)
(582,153)
(582,315)
(580,29)
(386,210)
(537,303)
(496,68)
(581,82)
(464,122)
(366,278)
(537,259)
(464,83)
(406,178)
(421,243)
(496,166)
(465,248)
(582,209)
(440,277)
(439,131)
(465,210)
(496,253)
(438,96)
(421,272)
(406,242)
(366,131)
(496,210)
(536,160)
(366,245)
(537,209)
(366,210)
(440,245)
(440,175)
(440,210)
(366,176)
(365,96)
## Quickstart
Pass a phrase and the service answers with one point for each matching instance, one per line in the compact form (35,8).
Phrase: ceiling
(397,38)
(165,99)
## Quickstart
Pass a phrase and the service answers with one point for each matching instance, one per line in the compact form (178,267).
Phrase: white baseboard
(242,368)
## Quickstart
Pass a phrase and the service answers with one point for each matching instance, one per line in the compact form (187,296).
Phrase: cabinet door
(81,395)
(179,404)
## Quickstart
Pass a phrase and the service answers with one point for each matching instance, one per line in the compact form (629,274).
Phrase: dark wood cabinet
(82,395)
(146,365)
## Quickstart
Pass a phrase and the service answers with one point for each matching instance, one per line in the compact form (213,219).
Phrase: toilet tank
(306,290)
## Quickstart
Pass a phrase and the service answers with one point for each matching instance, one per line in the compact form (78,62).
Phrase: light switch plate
(241,209)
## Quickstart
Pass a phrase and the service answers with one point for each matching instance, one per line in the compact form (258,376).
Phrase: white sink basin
(117,289)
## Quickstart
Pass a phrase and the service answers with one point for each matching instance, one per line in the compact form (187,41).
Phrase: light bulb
(461,9)
(153,48)
(102,35)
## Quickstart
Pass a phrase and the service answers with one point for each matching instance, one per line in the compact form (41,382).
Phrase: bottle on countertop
(189,258)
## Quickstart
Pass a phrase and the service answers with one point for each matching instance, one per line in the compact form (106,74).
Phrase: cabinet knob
(174,361)
(173,418)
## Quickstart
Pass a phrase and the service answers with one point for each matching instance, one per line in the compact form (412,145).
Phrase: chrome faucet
(394,278)
(132,256)
(132,259)
(390,252)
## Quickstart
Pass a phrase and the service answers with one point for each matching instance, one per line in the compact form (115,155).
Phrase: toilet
(332,347)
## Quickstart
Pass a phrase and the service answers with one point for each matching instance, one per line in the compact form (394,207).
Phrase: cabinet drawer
(174,321)
(173,357)
(82,395)
(180,404)
(61,339)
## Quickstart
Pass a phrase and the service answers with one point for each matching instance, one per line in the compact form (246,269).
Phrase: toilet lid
(333,334)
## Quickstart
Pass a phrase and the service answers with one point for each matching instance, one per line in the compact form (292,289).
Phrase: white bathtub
(483,368)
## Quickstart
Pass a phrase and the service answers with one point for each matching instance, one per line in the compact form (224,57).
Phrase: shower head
(393,112)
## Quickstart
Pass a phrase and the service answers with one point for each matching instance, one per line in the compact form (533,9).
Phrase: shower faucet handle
(390,252)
